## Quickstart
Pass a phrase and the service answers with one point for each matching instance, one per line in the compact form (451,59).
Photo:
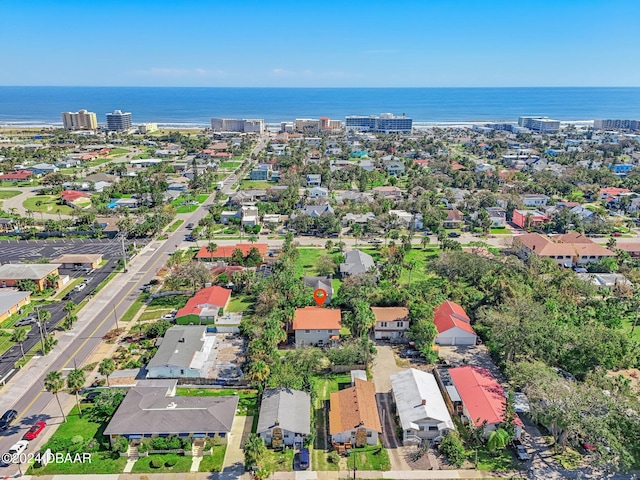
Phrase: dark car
(91,396)
(189,226)
(304,458)
(8,418)
(453,234)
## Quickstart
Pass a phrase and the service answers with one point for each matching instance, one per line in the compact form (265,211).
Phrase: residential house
(478,397)
(183,353)
(605,280)
(18,176)
(422,411)
(12,273)
(392,193)
(394,167)
(343,196)
(73,198)
(353,416)
(454,219)
(249,216)
(318,192)
(534,200)
(453,325)
(325,283)
(247,196)
(409,220)
(11,301)
(316,326)
(285,417)
(391,322)
(356,262)
(79,261)
(204,307)
(583,213)
(155,411)
(497,216)
(226,251)
(528,218)
(42,169)
(261,172)
(566,250)
(131,203)
(632,248)
(316,210)
(361,218)
(314,180)
(614,194)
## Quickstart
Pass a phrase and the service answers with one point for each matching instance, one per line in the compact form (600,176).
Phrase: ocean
(195,106)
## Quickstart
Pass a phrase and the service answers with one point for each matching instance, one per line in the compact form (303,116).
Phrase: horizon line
(319,87)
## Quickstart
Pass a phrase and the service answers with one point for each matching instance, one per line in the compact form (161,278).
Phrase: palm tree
(253,238)
(106,368)
(52,280)
(356,231)
(19,336)
(410,266)
(211,249)
(425,241)
(75,383)
(259,371)
(53,383)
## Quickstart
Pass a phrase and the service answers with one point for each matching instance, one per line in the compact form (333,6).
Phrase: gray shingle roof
(356,262)
(9,298)
(147,410)
(289,409)
(27,271)
(174,352)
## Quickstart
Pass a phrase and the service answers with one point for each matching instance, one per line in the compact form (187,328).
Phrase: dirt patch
(633,374)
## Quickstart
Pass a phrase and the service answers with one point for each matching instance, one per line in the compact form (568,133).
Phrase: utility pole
(40,327)
(124,253)
(115,315)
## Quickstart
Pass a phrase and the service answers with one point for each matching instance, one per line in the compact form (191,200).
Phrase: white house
(183,352)
(285,417)
(453,325)
(421,408)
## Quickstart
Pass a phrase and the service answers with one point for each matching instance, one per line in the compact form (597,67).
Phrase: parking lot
(13,251)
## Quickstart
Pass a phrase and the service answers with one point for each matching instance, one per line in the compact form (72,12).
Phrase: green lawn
(97,161)
(240,303)
(202,197)
(213,462)
(101,462)
(170,301)
(5,342)
(153,314)
(230,165)
(370,458)
(119,151)
(504,460)
(248,398)
(143,465)
(186,208)
(281,461)
(19,184)
(46,204)
(627,326)
(175,225)
(259,184)
(4,194)
(134,308)
(419,256)
(320,463)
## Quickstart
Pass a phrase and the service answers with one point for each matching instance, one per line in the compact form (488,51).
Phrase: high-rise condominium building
(118,121)
(616,124)
(385,123)
(80,120)
(539,124)
(246,125)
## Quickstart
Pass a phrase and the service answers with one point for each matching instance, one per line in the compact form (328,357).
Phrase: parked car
(616,234)
(168,316)
(8,418)
(34,431)
(189,226)
(304,458)
(453,235)
(13,454)
(80,287)
(25,321)
(522,454)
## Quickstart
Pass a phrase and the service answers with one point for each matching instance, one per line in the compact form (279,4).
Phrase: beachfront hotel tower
(385,123)
(246,125)
(80,120)
(118,121)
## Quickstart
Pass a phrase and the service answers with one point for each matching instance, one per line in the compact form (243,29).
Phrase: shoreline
(417,125)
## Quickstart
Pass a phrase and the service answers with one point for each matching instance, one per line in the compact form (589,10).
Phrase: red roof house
(19,176)
(205,304)
(70,196)
(453,325)
(316,326)
(226,251)
(482,397)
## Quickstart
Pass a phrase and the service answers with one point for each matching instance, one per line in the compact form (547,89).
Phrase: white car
(168,316)
(13,455)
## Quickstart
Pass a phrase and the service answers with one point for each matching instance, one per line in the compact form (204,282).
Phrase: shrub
(170,462)
(155,463)
(453,449)
(333,457)
(120,445)
(143,447)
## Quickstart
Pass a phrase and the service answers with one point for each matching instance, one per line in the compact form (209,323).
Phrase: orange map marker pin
(319,295)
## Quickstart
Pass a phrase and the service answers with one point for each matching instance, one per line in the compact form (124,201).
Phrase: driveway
(384,365)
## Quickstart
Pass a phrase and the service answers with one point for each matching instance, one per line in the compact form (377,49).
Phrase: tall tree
(19,336)
(107,367)
(54,383)
(75,383)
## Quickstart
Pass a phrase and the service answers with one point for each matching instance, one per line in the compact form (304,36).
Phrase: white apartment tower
(118,121)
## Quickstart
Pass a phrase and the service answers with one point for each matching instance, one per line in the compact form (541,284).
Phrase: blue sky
(421,43)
